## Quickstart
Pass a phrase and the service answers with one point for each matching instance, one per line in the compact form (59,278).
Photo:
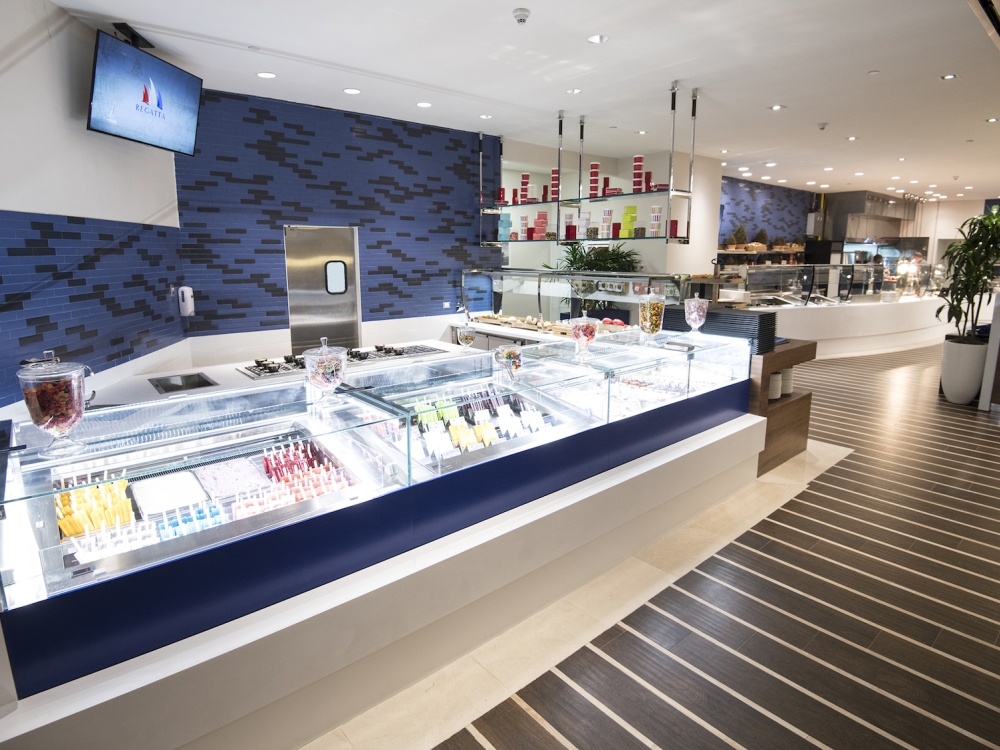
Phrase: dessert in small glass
(651,314)
(584,331)
(509,358)
(466,336)
(54,394)
(695,312)
(325,366)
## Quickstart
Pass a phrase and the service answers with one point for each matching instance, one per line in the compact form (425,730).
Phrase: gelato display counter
(177,515)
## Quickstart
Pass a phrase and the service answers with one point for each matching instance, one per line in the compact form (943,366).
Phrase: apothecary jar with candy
(54,394)
(325,366)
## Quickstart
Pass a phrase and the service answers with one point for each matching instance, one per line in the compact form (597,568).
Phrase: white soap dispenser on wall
(185,300)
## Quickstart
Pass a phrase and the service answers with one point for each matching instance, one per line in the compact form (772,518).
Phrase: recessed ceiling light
(352,91)
(992,119)
(776,107)
(766,177)
(874,72)
(900,191)
(423,104)
(723,163)
(902,158)
(891,187)
(782,180)
(824,186)
(725,151)
(932,186)
(851,138)
(811,183)
(642,132)
(573,91)
(937,195)
(943,197)
(770,164)
(968,187)
(827,169)
(959,195)
(747,174)
(913,182)
(948,77)
(859,174)
(928,192)
(265,74)
(896,177)
(744,169)
(892,201)
(597,39)
(932,200)
(485,117)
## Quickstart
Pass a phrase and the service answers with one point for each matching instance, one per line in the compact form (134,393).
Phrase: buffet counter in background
(858,328)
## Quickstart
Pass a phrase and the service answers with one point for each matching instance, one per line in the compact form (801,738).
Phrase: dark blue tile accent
(124,617)
(780,210)
(94,291)
(412,190)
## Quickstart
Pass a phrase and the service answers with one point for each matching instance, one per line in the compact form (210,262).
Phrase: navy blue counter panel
(80,632)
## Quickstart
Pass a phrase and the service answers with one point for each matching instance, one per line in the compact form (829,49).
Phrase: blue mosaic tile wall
(94,291)
(412,190)
(780,210)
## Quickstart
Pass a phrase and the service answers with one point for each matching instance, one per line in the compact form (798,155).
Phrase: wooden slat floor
(865,613)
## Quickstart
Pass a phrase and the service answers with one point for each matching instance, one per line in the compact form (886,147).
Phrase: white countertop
(138,389)
(513,333)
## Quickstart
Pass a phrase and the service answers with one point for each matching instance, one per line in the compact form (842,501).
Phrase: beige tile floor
(432,710)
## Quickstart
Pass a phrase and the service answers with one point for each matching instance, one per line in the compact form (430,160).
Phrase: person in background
(879,273)
(877,260)
(918,257)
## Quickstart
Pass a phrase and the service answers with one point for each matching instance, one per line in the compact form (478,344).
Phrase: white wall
(940,222)
(50,162)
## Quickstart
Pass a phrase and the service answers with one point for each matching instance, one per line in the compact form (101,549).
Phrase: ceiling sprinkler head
(521,15)
(822,125)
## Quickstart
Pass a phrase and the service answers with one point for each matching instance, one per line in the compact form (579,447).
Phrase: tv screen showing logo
(138,96)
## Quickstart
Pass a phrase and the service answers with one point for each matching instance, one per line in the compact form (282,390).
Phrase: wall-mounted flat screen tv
(142,98)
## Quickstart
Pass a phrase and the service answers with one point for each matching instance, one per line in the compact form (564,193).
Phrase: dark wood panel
(910,560)
(818,720)
(849,601)
(909,601)
(575,717)
(751,612)
(697,616)
(875,708)
(969,650)
(752,540)
(842,623)
(661,629)
(733,717)
(936,665)
(509,727)
(608,635)
(815,528)
(863,523)
(641,709)
(785,534)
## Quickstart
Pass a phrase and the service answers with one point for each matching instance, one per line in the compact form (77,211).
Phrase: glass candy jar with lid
(54,394)
(325,366)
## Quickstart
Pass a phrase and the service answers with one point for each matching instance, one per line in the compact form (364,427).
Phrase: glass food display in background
(325,366)
(695,312)
(54,394)
(466,336)
(651,314)
(584,331)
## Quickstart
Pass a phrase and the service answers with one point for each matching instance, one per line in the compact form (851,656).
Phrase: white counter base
(289,673)
(862,327)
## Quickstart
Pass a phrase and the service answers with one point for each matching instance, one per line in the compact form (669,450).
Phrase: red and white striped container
(554,186)
(525,179)
(595,178)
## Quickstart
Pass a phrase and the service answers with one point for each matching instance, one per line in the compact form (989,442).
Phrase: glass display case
(800,285)
(159,480)
(548,296)
(472,408)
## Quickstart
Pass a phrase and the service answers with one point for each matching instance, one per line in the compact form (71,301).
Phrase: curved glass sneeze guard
(800,285)
(164,479)
(551,295)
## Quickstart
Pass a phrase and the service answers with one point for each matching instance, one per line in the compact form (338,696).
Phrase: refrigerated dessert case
(182,514)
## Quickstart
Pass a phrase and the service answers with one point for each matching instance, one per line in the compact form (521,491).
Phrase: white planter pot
(962,371)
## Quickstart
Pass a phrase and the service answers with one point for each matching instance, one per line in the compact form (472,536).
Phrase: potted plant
(970,261)
(611,258)
(779,243)
(761,237)
(740,235)
(731,242)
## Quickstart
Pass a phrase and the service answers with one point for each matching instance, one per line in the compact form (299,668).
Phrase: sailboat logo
(151,94)
(111,115)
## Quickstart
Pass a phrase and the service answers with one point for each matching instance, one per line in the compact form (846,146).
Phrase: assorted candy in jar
(325,366)
(584,331)
(466,335)
(54,394)
(509,357)
(651,314)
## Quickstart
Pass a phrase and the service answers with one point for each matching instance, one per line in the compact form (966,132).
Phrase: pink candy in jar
(695,312)
(584,331)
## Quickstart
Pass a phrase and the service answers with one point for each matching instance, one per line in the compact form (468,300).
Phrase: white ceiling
(469,57)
